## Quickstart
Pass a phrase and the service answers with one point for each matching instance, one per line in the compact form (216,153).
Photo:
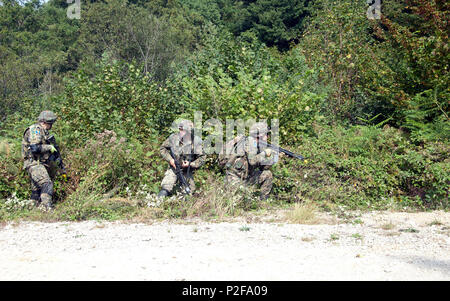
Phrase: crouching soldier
(38,149)
(248,163)
(185,150)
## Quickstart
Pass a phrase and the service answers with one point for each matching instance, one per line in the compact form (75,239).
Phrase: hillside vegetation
(366,101)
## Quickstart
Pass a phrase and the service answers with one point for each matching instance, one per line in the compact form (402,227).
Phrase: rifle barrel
(279,149)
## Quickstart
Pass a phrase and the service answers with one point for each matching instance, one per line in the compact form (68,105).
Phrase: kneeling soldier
(188,153)
(248,163)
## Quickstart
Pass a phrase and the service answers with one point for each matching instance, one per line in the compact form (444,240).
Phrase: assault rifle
(191,155)
(279,149)
(56,156)
(179,173)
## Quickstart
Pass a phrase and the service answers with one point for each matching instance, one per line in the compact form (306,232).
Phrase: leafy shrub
(14,181)
(426,117)
(108,165)
(119,98)
(366,167)
(394,68)
(239,80)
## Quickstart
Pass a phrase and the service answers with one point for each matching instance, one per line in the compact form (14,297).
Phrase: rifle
(192,151)
(179,173)
(279,149)
(56,156)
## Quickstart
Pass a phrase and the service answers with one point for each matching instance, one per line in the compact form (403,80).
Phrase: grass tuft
(303,213)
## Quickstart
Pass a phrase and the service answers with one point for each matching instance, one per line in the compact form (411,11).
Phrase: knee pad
(163,193)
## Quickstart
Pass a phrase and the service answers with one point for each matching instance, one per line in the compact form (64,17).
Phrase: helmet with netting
(185,125)
(47,117)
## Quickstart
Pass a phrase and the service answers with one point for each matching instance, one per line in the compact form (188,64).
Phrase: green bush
(13,179)
(231,79)
(118,98)
(366,167)
(108,165)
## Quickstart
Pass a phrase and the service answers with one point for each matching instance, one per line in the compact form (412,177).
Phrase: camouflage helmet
(47,117)
(185,125)
(258,129)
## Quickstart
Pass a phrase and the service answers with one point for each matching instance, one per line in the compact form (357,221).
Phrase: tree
(34,40)
(275,22)
(151,36)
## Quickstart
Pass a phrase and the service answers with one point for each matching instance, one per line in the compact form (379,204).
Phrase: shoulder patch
(35,133)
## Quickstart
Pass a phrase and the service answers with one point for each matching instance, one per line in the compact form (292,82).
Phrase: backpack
(229,150)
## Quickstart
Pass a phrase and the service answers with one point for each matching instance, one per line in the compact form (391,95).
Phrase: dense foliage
(232,79)
(365,100)
(395,68)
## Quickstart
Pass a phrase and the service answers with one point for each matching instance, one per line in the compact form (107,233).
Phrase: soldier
(189,155)
(248,163)
(37,152)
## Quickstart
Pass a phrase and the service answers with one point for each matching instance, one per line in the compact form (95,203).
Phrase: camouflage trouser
(170,180)
(262,178)
(41,185)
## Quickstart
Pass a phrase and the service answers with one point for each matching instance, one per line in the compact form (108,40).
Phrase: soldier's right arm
(164,149)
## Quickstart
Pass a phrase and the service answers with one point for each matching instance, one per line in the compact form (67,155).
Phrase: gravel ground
(375,246)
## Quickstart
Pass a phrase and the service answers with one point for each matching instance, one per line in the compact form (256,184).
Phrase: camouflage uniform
(36,151)
(247,163)
(182,149)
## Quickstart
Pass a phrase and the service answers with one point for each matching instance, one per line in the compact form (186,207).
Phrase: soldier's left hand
(268,152)
(185,164)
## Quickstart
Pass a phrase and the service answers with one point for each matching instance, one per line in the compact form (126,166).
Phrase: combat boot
(163,193)
(46,202)
(36,197)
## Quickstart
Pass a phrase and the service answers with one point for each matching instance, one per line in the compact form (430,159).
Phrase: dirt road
(375,246)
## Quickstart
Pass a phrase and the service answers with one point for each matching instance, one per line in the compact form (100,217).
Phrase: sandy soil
(374,246)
